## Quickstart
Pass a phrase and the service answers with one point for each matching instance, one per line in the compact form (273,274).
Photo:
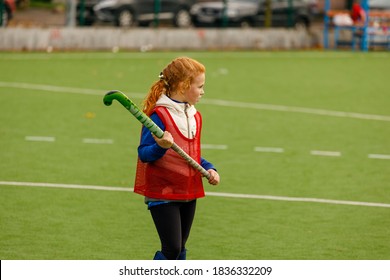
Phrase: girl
(171,186)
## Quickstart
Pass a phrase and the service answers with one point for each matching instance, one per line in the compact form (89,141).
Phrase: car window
(253,1)
(383,4)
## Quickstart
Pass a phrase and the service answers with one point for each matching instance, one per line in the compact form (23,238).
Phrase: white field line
(97,141)
(268,150)
(62,89)
(65,186)
(51,88)
(326,153)
(301,199)
(228,195)
(270,107)
(379,156)
(208,147)
(213,147)
(40,138)
(217,102)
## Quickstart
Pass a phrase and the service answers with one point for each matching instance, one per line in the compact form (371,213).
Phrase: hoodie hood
(182,113)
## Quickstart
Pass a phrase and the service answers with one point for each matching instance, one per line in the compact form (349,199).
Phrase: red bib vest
(171,177)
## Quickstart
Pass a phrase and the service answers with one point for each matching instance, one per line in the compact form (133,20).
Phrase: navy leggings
(173,222)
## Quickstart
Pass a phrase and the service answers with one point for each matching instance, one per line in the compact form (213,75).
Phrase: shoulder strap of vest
(163,113)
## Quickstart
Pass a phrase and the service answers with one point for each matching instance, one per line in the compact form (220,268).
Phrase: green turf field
(280,127)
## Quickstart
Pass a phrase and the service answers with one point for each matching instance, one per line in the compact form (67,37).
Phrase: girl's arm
(214,178)
(206,165)
(149,150)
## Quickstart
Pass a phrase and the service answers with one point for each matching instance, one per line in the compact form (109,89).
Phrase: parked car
(252,13)
(379,4)
(314,7)
(8,11)
(300,15)
(126,13)
(237,12)
(85,13)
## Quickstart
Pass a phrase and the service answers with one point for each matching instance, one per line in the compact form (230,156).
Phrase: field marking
(379,156)
(208,147)
(301,199)
(62,89)
(65,186)
(268,150)
(217,102)
(325,153)
(40,138)
(228,195)
(282,108)
(97,141)
(51,88)
(213,147)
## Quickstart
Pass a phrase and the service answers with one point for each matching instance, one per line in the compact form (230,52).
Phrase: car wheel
(301,24)
(182,19)
(245,24)
(125,18)
(86,22)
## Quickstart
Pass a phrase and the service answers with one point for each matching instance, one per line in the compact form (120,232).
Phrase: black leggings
(173,223)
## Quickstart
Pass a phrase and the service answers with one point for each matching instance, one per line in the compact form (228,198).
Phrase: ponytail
(155,92)
(176,76)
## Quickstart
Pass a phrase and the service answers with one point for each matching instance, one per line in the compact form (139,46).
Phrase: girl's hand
(166,141)
(214,177)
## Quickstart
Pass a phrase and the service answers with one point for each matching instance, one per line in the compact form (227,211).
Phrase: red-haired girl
(171,186)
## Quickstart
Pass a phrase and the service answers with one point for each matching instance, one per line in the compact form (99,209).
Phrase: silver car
(379,4)
(126,13)
(215,13)
(244,13)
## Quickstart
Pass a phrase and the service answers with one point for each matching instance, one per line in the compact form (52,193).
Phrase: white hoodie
(182,113)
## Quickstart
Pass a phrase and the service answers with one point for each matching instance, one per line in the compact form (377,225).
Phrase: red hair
(176,76)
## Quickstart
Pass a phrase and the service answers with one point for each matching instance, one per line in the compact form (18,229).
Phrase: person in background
(358,14)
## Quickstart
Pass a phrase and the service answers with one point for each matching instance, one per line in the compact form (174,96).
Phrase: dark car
(126,13)
(9,8)
(252,13)
(215,13)
(85,13)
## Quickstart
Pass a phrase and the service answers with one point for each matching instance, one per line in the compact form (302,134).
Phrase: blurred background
(296,119)
(57,12)
(327,23)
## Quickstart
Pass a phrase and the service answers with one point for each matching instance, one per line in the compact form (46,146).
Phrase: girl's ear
(183,86)
(180,88)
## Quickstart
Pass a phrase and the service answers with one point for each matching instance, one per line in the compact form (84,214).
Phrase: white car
(379,4)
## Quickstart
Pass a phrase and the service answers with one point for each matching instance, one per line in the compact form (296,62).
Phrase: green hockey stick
(149,124)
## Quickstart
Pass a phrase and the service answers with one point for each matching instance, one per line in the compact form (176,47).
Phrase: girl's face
(196,90)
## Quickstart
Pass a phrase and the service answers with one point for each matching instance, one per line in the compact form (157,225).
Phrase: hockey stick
(149,124)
